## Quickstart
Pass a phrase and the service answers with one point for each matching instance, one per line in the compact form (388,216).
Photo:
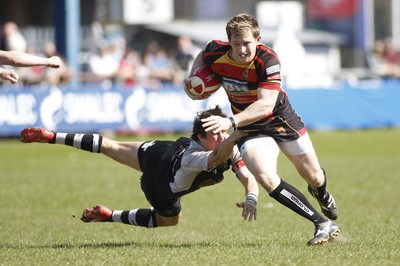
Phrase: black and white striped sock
(87,142)
(138,217)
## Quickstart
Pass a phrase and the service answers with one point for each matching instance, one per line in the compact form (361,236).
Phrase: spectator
(186,53)
(384,60)
(129,68)
(32,75)
(104,65)
(13,39)
(392,58)
(162,67)
(61,75)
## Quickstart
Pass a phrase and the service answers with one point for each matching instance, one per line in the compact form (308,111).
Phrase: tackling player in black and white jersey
(250,73)
(171,169)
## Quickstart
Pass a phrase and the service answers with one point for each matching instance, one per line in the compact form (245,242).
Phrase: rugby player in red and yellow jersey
(249,71)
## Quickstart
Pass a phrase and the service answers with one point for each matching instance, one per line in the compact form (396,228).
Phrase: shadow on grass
(126,244)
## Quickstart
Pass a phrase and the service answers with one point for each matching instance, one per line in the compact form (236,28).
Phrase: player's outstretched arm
(21,59)
(223,150)
(250,184)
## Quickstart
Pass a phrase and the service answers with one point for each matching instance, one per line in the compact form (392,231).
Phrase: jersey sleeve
(213,50)
(238,165)
(235,156)
(196,160)
(270,68)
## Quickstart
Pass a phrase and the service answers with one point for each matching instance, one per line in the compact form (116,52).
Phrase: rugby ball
(203,82)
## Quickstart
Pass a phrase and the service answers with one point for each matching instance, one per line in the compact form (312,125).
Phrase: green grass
(42,188)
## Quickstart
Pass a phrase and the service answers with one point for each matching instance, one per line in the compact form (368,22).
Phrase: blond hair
(240,24)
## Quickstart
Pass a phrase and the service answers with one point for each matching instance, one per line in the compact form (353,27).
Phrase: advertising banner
(96,109)
(367,105)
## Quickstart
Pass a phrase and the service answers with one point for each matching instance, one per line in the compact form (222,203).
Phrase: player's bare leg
(260,156)
(302,154)
(308,167)
(122,152)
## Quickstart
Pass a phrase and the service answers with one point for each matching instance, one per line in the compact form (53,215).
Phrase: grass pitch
(44,189)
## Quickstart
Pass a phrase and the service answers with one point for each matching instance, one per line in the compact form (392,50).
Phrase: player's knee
(169,221)
(268,181)
(316,177)
(176,219)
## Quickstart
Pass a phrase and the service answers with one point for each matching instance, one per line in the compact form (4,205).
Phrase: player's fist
(54,62)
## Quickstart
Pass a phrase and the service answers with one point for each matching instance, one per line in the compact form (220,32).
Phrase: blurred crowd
(384,59)
(114,62)
(109,63)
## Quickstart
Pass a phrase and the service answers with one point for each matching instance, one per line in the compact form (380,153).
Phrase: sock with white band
(138,217)
(87,142)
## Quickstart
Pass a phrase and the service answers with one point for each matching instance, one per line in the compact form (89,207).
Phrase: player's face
(243,47)
(212,139)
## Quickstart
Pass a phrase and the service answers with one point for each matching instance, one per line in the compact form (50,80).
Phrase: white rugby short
(300,146)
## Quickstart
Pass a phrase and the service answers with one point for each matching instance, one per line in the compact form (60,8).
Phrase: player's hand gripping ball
(202,83)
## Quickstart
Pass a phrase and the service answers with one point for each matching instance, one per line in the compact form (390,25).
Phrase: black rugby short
(155,179)
(286,125)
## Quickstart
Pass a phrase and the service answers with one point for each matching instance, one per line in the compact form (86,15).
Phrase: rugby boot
(98,213)
(323,233)
(41,135)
